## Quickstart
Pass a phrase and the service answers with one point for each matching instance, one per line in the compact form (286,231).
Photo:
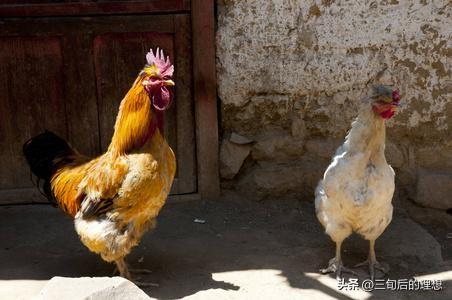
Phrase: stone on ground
(99,288)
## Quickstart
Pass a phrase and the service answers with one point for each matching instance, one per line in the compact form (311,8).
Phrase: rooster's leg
(372,262)
(125,272)
(122,268)
(335,264)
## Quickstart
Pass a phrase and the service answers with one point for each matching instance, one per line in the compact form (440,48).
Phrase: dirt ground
(244,250)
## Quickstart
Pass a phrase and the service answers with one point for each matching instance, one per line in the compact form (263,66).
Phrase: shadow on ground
(245,249)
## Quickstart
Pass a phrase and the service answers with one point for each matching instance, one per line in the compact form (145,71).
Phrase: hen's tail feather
(45,154)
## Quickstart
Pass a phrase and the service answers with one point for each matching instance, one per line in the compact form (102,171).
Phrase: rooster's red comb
(158,59)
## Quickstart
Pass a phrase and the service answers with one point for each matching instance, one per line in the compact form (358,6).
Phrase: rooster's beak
(169,83)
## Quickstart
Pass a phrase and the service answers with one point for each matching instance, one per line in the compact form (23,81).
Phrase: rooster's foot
(140,271)
(336,266)
(132,271)
(146,284)
(125,272)
(137,279)
(374,265)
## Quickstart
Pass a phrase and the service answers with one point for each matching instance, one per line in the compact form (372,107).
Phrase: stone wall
(291,74)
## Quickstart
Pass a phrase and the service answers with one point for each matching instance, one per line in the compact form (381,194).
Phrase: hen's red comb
(158,59)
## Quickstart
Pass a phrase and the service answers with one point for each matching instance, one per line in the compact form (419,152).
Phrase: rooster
(116,197)
(356,191)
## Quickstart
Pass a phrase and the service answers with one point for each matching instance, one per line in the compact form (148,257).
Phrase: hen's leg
(335,264)
(372,262)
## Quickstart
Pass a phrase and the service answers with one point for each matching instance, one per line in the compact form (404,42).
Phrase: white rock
(92,288)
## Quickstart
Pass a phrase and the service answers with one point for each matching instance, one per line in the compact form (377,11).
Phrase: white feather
(357,188)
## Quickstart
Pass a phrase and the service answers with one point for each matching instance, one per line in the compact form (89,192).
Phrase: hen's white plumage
(356,191)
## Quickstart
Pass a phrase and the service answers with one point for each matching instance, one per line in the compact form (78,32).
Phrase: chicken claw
(373,264)
(146,284)
(125,272)
(140,271)
(336,266)
(137,279)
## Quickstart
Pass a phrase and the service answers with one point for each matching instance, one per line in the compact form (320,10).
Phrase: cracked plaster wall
(291,75)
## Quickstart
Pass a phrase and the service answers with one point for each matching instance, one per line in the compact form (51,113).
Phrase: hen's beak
(382,106)
(169,83)
(391,102)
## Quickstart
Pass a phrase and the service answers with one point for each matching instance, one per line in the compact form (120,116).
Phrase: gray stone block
(92,288)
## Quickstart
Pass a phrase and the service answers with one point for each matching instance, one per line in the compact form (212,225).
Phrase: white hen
(356,191)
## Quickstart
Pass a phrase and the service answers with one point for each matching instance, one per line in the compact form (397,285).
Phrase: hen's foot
(374,265)
(336,266)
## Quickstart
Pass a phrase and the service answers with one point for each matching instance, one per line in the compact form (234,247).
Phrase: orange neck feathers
(135,122)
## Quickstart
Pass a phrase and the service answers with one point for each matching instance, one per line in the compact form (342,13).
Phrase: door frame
(202,13)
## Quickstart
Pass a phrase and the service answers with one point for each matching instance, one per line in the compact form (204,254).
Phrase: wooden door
(68,75)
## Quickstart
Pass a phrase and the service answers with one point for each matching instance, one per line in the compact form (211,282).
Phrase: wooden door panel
(186,149)
(27,8)
(31,89)
(82,69)
(80,94)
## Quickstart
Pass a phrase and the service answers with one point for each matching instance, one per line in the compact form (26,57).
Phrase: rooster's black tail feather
(45,154)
